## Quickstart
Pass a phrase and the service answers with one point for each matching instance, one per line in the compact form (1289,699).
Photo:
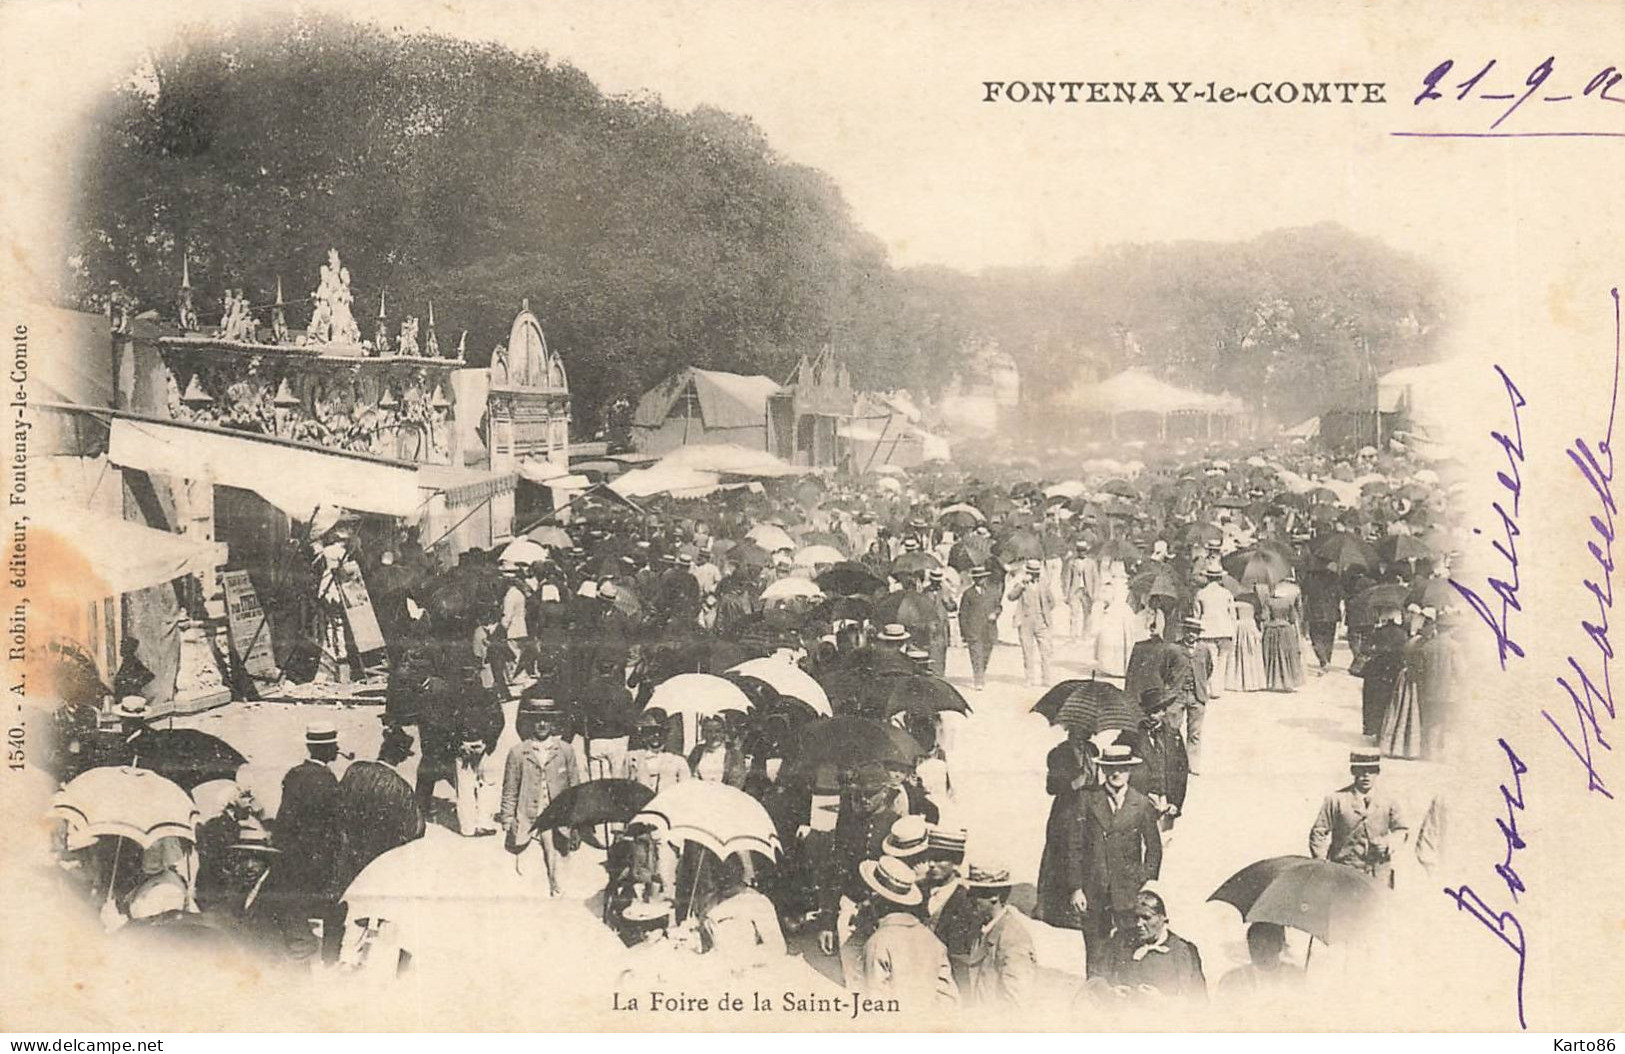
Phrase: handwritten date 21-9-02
(1510,90)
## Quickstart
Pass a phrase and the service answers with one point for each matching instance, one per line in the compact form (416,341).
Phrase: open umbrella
(1318,897)
(813,555)
(922,694)
(718,817)
(1403,547)
(914,563)
(1155,583)
(1095,706)
(857,609)
(1120,487)
(792,587)
(770,537)
(1021,545)
(1119,549)
(187,756)
(522,551)
(749,554)
(699,694)
(849,579)
(594,802)
(787,679)
(1258,565)
(550,535)
(1049,704)
(848,743)
(1345,550)
(125,802)
(960,516)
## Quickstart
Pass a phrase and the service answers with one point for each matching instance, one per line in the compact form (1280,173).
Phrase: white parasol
(718,817)
(786,678)
(132,803)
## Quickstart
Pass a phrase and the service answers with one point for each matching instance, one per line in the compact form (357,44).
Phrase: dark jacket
(979,614)
(1167,768)
(1322,597)
(307,830)
(1115,854)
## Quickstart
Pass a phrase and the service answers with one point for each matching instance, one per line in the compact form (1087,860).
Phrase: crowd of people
(520,674)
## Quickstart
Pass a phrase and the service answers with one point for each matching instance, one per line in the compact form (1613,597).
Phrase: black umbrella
(914,563)
(848,743)
(1021,545)
(1316,896)
(1345,550)
(1097,705)
(923,694)
(595,802)
(837,607)
(1049,704)
(1403,547)
(186,756)
(849,579)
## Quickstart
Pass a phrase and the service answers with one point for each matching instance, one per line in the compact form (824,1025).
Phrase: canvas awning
(294,478)
(465,486)
(124,556)
(726,400)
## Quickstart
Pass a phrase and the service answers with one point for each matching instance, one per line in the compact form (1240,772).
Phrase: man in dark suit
(1164,777)
(979,623)
(307,833)
(1322,609)
(1117,850)
(865,819)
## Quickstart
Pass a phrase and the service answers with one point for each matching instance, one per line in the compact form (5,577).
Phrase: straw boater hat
(1081,543)
(909,837)
(608,590)
(131,706)
(911,544)
(321,733)
(252,837)
(1117,756)
(684,560)
(946,842)
(1034,565)
(935,574)
(892,879)
(892,631)
(979,571)
(982,876)
(1191,624)
(1364,761)
(647,911)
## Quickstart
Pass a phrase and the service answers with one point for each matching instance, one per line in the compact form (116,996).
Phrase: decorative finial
(382,310)
(524,303)
(431,314)
(186,272)
(279,290)
(462,345)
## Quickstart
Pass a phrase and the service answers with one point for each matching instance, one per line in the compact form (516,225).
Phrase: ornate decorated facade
(528,410)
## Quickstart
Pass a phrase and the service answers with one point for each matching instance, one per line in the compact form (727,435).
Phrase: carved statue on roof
(333,321)
(408,344)
(499,364)
(237,323)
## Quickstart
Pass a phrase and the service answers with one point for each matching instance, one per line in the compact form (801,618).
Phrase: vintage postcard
(703,515)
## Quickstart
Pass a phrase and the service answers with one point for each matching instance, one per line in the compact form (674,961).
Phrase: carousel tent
(1419,394)
(1136,392)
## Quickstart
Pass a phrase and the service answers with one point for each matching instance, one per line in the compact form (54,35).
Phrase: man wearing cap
(1003,966)
(903,959)
(539,768)
(861,827)
(1164,776)
(1116,850)
(1358,826)
(307,828)
(1080,584)
(979,623)
(1033,616)
(1215,611)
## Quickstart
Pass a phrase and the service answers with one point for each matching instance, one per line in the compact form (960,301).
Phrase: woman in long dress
(1244,670)
(1383,649)
(1401,735)
(1116,627)
(1070,772)
(1283,649)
